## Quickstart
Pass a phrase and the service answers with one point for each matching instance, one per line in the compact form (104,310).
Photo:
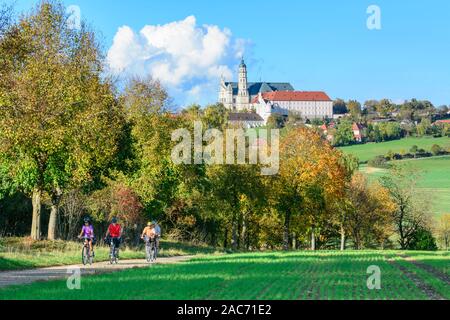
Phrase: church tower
(243,97)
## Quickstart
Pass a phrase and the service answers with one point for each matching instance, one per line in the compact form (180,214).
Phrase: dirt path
(438,274)
(10,278)
(429,291)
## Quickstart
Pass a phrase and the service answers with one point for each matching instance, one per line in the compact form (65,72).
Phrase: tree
(169,192)
(293,120)
(311,178)
(424,127)
(423,240)
(58,117)
(416,109)
(385,107)
(411,212)
(6,18)
(275,121)
(354,107)
(436,149)
(118,200)
(370,106)
(232,186)
(339,107)
(344,133)
(406,113)
(342,207)
(443,231)
(153,176)
(369,219)
(390,131)
(215,116)
(73,206)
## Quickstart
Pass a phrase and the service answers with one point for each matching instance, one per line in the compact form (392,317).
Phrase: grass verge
(328,275)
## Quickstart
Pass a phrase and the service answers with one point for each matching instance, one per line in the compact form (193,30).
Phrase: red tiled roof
(296,96)
(443,121)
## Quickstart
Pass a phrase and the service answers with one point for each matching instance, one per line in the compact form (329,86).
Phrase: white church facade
(238,96)
(267,98)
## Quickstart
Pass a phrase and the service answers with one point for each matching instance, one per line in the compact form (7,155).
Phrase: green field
(368,151)
(22,253)
(286,276)
(434,180)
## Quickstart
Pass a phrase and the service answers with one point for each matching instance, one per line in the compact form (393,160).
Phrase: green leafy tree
(436,149)
(344,133)
(390,131)
(370,106)
(354,107)
(424,127)
(232,186)
(59,120)
(339,107)
(384,107)
(423,240)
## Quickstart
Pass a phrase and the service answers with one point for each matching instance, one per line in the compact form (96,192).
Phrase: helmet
(149,223)
(154,222)
(114,220)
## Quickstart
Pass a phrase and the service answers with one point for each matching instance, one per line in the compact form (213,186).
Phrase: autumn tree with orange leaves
(311,178)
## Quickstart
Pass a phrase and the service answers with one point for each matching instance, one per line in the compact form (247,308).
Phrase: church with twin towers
(266,98)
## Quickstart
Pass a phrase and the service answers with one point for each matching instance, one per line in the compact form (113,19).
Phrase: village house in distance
(254,102)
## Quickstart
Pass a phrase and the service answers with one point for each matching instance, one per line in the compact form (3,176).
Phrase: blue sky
(315,45)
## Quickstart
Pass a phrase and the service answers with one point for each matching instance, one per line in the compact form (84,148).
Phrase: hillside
(434,180)
(368,151)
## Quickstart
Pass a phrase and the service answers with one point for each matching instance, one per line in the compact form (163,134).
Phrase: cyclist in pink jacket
(87,233)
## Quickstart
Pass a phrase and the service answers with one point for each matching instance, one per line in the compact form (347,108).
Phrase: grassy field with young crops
(434,180)
(288,276)
(368,151)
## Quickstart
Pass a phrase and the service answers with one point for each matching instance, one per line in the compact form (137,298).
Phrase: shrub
(423,240)
(436,150)
(378,162)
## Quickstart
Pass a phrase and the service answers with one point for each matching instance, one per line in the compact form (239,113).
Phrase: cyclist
(115,232)
(158,234)
(149,232)
(87,233)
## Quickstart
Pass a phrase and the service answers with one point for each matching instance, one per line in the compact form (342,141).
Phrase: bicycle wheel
(85,255)
(116,255)
(112,254)
(148,253)
(152,255)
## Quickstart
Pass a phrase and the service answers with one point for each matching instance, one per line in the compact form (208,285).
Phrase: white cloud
(188,59)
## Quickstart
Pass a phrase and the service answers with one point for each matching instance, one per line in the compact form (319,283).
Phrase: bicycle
(150,249)
(86,256)
(114,251)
